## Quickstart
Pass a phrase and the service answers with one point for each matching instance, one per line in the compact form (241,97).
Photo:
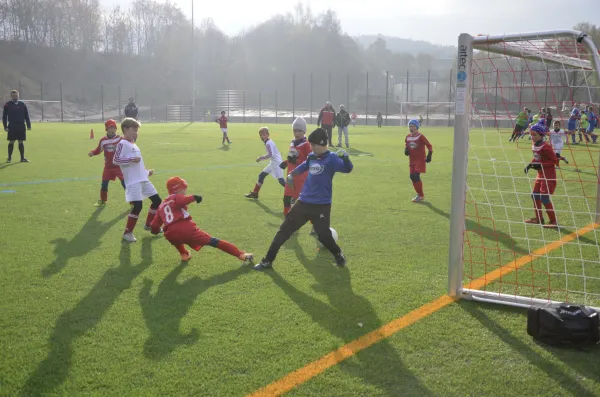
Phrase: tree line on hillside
(285,54)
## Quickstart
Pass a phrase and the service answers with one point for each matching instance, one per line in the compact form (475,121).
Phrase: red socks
(550,211)
(103,195)
(131,221)
(257,188)
(419,188)
(181,249)
(286,210)
(229,248)
(150,216)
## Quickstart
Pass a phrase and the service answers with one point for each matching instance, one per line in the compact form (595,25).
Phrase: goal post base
(505,299)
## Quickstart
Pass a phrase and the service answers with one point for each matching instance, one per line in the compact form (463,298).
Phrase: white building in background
(417,90)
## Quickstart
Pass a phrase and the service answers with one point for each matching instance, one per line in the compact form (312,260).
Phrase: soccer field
(82,313)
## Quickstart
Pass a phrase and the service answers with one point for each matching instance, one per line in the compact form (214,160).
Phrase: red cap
(175,184)
(110,123)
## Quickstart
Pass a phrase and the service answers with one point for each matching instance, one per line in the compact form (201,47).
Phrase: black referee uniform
(14,119)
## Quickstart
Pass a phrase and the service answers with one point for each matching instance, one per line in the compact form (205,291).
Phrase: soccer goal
(494,256)
(178,113)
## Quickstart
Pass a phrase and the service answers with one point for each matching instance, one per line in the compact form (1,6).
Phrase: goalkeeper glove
(406,151)
(428,160)
(290,180)
(198,198)
(535,166)
(342,153)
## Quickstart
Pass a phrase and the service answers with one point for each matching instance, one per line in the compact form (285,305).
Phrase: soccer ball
(333,234)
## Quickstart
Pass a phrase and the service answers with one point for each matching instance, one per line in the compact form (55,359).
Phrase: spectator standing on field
(14,118)
(131,110)
(343,121)
(379,119)
(327,120)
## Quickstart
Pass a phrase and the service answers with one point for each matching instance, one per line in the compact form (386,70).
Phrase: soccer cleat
(338,145)
(24,160)
(252,195)
(313,232)
(246,257)
(129,237)
(340,259)
(565,160)
(551,225)
(149,228)
(186,257)
(100,203)
(418,199)
(534,221)
(264,264)
(8,160)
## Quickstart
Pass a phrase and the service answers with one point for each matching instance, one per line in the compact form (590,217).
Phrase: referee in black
(14,118)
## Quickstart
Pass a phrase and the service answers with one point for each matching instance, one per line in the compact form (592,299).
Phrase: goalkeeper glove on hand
(428,160)
(342,154)
(283,165)
(198,198)
(290,180)
(406,151)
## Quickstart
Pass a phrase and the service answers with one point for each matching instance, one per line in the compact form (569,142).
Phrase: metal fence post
(348,91)
(276,107)
(260,106)
(449,96)
(367,102)
(329,86)
(119,101)
(62,115)
(428,84)
(42,98)
(387,82)
(294,95)
(406,107)
(102,99)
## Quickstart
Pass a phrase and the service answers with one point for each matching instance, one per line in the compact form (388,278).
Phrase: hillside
(400,45)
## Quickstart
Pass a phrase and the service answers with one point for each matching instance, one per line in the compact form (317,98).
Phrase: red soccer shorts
(186,232)
(544,186)
(110,174)
(414,168)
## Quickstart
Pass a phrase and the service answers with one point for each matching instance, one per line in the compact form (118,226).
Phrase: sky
(436,21)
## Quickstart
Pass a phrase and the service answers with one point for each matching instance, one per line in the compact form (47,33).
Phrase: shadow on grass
(164,310)
(582,362)
(268,210)
(78,321)
(378,365)
(483,231)
(355,152)
(86,240)
(6,165)
(224,148)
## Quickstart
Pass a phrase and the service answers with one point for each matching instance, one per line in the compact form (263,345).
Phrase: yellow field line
(301,375)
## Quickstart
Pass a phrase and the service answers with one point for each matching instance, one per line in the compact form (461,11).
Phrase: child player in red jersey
(299,151)
(108,145)
(223,124)
(179,228)
(544,161)
(415,150)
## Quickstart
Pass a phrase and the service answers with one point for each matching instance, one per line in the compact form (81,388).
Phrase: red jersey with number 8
(173,209)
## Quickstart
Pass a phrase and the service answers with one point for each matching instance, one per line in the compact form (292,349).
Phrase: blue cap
(540,128)
(415,123)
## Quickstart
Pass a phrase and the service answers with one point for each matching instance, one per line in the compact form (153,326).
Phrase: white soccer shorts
(224,130)
(274,170)
(139,191)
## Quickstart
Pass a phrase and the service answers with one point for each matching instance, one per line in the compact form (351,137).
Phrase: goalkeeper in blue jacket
(314,203)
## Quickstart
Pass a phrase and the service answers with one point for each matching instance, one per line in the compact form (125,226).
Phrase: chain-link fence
(397,98)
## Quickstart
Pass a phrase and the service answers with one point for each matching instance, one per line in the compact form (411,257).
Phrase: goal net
(495,255)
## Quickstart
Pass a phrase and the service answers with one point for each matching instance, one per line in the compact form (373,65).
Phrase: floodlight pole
(193,52)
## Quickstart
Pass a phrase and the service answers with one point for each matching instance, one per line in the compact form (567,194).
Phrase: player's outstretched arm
(5,117)
(302,168)
(157,222)
(181,200)
(27,120)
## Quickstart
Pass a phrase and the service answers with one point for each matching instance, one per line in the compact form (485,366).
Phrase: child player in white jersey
(137,185)
(272,168)
(557,139)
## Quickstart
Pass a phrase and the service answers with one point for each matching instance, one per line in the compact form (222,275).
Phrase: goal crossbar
(567,48)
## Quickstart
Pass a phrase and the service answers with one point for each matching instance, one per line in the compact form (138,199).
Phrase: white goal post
(491,175)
